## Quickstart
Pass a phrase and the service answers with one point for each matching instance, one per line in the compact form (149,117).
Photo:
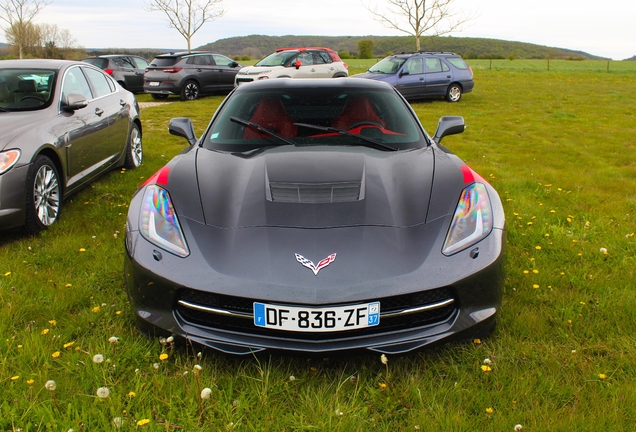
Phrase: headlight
(472,220)
(8,159)
(264,77)
(159,223)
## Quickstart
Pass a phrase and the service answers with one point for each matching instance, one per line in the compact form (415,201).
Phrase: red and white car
(310,62)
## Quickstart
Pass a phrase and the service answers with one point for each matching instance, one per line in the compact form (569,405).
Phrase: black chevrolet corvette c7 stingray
(315,216)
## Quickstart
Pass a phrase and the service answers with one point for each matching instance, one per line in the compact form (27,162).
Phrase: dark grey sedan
(62,124)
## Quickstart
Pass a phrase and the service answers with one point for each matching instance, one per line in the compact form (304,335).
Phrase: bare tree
(17,16)
(188,16)
(420,17)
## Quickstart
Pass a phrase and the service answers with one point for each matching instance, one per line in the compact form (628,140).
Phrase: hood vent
(315,193)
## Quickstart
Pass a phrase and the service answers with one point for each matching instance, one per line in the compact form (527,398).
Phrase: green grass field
(558,145)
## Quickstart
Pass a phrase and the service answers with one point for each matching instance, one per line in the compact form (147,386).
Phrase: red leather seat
(358,109)
(271,115)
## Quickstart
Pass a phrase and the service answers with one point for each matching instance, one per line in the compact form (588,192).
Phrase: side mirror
(234,64)
(449,125)
(74,102)
(405,72)
(182,126)
(298,64)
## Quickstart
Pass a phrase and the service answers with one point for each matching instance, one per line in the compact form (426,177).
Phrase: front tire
(190,91)
(43,195)
(134,148)
(454,93)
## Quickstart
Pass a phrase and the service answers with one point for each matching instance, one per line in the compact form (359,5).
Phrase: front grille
(315,193)
(244,80)
(235,313)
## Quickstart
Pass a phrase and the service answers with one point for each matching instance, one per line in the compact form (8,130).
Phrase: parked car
(312,62)
(424,75)
(190,75)
(127,70)
(62,125)
(315,216)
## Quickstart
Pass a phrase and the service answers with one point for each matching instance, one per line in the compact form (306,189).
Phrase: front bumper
(13,197)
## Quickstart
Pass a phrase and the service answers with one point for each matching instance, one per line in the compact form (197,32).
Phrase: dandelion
(206,393)
(477,341)
(169,339)
(132,394)
(30,382)
(113,339)
(197,368)
(82,250)
(602,376)
(45,331)
(382,385)
(518,428)
(56,354)
(538,248)
(163,356)
(486,368)
(50,386)
(143,422)
(15,378)
(7,274)
(292,378)
(69,344)
(53,323)
(103,392)
(118,422)
(338,412)
(155,365)
(487,361)
(98,358)
(489,410)
(535,286)
(162,340)
(603,251)
(95,309)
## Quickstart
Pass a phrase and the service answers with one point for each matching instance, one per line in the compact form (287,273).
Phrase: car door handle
(122,102)
(99,112)
(313,70)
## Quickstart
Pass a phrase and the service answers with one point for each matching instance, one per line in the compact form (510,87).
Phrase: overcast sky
(603,28)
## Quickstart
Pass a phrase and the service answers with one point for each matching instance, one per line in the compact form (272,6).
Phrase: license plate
(153,83)
(327,319)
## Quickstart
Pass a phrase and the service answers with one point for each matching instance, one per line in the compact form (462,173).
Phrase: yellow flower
(118,313)
(489,410)
(96,309)
(143,422)
(56,354)
(486,368)
(15,378)
(382,385)
(82,250)
(7,274)
(538,247)
(132,394)
(53,323)
(68,344)
(45,331)
(476,341)
(526,272)
(535,286)
(535,271)
(30,382)
(163,356)
(600,376)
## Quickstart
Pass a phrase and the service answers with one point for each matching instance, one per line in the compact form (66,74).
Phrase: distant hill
(257,46)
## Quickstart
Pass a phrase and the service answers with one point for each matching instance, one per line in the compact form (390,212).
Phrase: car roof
(39,63)
(342,83)
(426,53)
(304,49)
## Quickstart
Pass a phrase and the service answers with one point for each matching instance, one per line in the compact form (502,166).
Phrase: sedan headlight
(8,159)
(472,220)
(159,223)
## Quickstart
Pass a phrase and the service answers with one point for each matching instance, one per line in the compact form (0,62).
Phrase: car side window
(321,57)
(99,82)
(306,59)
(222,60)
(414,66)
(123,62)
(203,60)
(140,63)
(75,83)
(433,65)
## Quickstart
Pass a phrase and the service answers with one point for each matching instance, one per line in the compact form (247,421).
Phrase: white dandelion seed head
(603,250)
(487,361)
(518,428)
(113,339)
(206,393)
(118,422)
(155,365)
(197,368)
(169,339)
(103,392)
(338,412)
(98,358)
(50,385)
(199,354)
(162,340)
(384,359)
(292,378)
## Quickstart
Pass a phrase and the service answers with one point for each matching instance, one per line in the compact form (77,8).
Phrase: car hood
(315,187)
(13,124)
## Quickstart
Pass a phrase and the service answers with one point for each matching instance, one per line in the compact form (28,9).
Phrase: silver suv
(190,75)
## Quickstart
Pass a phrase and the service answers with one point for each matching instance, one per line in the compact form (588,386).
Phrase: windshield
(26,89)
(277,59)
(318,115)
(389,65)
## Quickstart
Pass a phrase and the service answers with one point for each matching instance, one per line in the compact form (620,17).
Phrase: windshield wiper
(368,141)
(261,129)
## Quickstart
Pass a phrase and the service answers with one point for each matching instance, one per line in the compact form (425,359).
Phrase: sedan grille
(407,311)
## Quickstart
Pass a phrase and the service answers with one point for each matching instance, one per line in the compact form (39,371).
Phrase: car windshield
(389,65)
(321,115)
(277,59)
(26,89)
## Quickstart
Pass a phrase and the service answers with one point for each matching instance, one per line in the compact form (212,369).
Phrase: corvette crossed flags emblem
(315,267)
